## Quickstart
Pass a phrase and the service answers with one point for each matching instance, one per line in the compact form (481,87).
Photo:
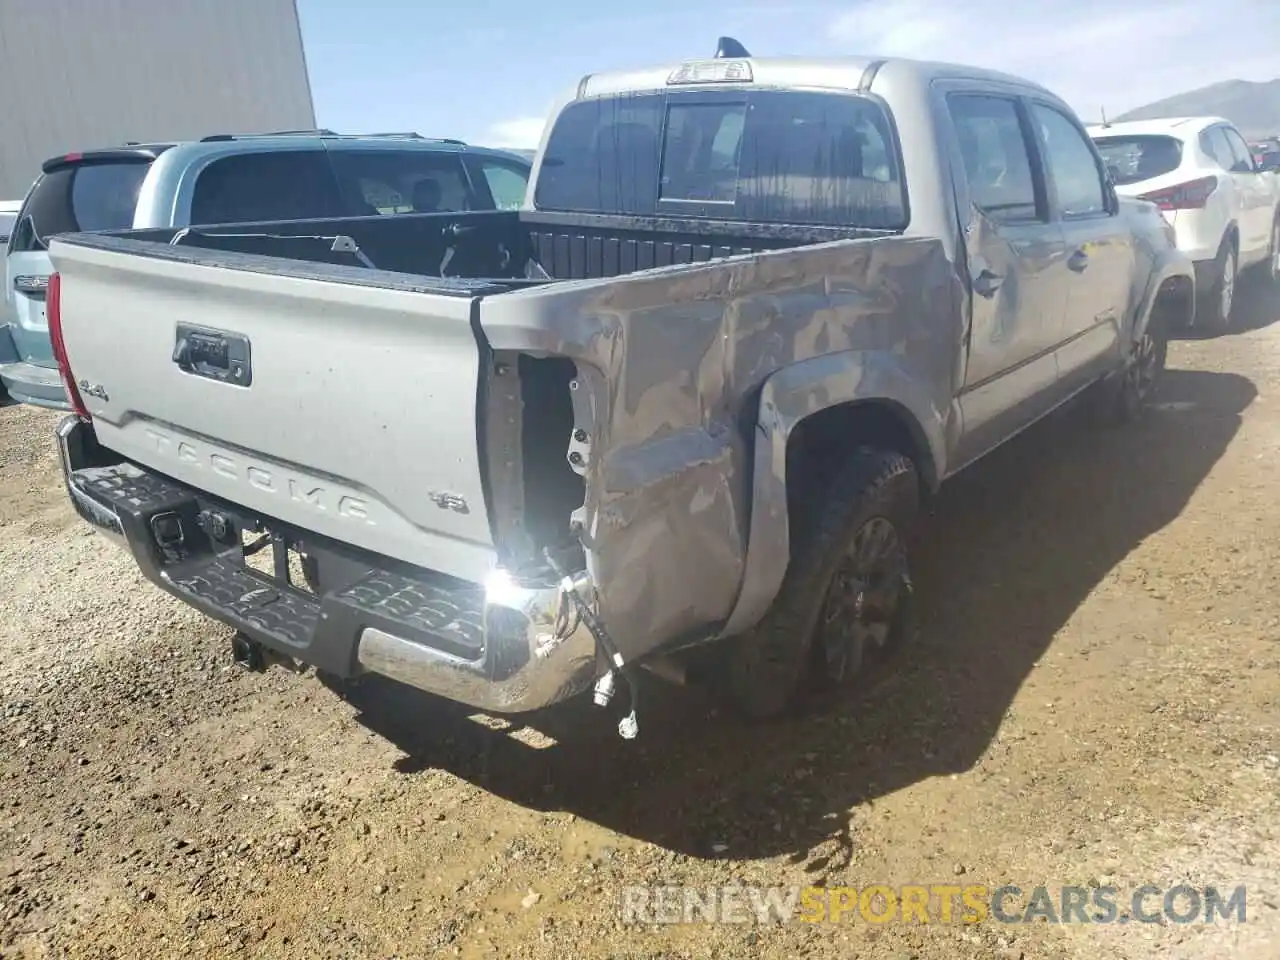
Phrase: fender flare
(786,398)
(1169,264)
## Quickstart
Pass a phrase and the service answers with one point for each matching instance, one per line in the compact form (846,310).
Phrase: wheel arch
(1170,293)
(834,402)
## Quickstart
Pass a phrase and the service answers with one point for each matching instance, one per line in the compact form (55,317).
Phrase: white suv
(1202,174)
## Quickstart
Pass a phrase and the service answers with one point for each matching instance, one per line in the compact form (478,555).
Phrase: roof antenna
(1103,110)
(729,47)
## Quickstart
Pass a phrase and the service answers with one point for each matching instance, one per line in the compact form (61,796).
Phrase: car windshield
(762,156)
(1132,159)
(93,195)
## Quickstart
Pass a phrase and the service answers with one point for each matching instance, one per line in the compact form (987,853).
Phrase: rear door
(1016,262)
(1256,199)
(1015,250)
(76,193)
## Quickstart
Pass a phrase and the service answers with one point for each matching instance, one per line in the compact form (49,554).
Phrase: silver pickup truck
(678,412)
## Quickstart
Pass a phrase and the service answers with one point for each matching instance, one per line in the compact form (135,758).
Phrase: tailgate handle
(213,354)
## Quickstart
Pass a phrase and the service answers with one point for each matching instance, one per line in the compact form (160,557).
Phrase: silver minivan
(227,179)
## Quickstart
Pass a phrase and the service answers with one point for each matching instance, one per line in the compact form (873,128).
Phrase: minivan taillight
(1192,195)
(53,313)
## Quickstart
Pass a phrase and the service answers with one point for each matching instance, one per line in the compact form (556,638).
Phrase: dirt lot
(1095,698)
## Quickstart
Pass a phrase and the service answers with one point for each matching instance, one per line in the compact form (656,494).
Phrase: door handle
(1078,261)
(986,283)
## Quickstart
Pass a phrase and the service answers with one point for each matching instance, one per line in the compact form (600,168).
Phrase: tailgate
(342,408)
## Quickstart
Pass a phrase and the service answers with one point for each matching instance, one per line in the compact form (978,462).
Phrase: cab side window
(997,158)
(1071,164)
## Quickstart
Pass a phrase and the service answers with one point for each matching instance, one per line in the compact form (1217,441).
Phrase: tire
(1126,396)
(1219,303)
(820,627)
(1273,260)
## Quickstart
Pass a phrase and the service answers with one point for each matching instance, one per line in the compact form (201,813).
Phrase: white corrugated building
(85,74)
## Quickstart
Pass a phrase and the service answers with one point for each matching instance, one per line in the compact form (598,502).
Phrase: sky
(488,71)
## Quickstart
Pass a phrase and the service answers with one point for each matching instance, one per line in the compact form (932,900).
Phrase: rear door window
(1132,159)
(1239,151)
(403,181)
(267,185)
(79,197)
(763,156)
(1214,142)
(997,157)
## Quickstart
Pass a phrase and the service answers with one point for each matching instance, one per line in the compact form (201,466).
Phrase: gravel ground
(1095,699)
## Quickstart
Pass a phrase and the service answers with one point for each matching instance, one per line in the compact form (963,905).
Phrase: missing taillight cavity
(53,315)
(553,489)
(1192,195)
(536,460)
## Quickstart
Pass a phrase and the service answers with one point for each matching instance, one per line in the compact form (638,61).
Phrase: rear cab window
(80,196)
(1134,158)
(776,156)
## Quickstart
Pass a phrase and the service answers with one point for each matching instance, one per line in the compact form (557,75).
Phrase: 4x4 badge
(449,501)
(93,390)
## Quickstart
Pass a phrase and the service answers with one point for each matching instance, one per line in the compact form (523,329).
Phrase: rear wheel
(846,600)
(1145,365)
(1273,261)
(1220,300)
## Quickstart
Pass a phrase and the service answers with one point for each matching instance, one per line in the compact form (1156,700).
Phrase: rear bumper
(38,386)
(504,647)
(1200,232)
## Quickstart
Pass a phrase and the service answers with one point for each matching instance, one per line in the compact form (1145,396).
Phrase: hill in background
(1253,107)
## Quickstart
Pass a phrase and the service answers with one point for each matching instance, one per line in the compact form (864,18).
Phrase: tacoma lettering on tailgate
(275,481)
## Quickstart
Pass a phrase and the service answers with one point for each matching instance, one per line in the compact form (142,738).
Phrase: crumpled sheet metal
(697,374)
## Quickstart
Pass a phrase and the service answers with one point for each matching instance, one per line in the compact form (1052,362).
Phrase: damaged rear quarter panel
(674,360)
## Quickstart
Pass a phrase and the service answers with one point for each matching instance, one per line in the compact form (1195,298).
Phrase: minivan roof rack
(214,137)
(729,47)
(415,136)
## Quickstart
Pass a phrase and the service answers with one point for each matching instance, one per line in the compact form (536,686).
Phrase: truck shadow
(1012,548)
(1257,305)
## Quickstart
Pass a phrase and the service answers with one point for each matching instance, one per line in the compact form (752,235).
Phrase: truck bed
(514,246)
(464,393)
